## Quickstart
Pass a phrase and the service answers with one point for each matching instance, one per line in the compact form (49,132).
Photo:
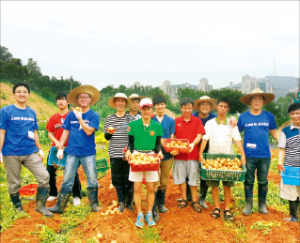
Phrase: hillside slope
(43,108)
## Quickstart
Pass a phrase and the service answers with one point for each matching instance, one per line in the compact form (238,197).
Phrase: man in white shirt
(220,133)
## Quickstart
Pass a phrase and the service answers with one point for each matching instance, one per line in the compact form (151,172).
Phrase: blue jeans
(262,166)
(72,164)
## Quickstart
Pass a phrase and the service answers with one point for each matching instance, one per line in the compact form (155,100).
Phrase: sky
(121,42)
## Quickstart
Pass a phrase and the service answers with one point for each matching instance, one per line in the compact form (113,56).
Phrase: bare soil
(177,225)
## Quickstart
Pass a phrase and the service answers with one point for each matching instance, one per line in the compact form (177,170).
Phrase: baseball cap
(146,102)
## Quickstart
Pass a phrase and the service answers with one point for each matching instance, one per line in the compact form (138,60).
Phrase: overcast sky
(102,43)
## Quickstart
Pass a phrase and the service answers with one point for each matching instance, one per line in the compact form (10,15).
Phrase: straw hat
(268,97)
(205,98)
(83,89)
(167,112)
(111,101)
(135,96)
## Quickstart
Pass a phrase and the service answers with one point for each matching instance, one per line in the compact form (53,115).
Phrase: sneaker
(140,221)
(76,201)
(150,220)
(51,198)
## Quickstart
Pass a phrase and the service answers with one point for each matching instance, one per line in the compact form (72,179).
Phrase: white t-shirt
(220,136)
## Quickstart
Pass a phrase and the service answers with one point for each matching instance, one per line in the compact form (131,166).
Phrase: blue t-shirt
(256,135)
(168,125)
(204,120)
(80,144)
(19,125)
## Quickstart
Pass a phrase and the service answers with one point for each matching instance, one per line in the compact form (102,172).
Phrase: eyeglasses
(21,92)
(84,97)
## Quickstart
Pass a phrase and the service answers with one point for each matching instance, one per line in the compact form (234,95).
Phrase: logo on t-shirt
(151,133)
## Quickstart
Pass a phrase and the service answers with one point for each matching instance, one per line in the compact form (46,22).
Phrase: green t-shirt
(144,137)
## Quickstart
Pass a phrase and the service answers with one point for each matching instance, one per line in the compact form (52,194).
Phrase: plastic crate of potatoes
(223,167)
(175,146)
(144,162)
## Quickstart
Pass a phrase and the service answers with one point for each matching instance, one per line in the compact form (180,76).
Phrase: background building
(171,89)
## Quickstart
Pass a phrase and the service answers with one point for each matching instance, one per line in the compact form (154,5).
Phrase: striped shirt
(290,141)
(119,139)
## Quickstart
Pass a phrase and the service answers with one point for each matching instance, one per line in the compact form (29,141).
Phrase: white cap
(146,102)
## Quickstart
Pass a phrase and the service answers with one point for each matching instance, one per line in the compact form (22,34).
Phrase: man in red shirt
(54,132)
(186,165)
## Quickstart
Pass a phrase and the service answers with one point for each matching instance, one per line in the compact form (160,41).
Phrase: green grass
(265,226)
(150,235)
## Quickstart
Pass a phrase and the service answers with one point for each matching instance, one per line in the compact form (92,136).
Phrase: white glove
(1,158)
(60,154)
(78,114)
(41,154)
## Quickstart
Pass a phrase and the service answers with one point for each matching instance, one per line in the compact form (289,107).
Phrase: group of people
(135,127)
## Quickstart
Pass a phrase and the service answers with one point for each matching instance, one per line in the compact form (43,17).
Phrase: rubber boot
(15,198)
(262,197)
(93,198)
(154,209)
(293,211)
(121,198)
(203,193)
(121,207)
(129,198)
(161,201)
(41,198)
(249,199)
(62,201)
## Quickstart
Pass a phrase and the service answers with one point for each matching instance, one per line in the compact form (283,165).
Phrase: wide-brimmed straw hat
(111,101)
(268,97)
(83,89)
(205,98)
(136,97)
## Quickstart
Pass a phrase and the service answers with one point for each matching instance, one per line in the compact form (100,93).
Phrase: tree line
(14,71)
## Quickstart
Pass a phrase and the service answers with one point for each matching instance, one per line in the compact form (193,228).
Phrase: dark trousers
(119,178)
(52,183)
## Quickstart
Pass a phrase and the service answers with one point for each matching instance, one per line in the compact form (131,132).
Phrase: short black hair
(157,99)
(185,101)
(294,107)
(20,84)
(225,100)
(61,96)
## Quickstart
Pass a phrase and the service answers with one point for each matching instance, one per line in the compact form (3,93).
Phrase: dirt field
(177,225)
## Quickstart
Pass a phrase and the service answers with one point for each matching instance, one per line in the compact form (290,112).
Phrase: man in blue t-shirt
(20,145)
(80,126)
(168,125)
(256,125)
(204,106)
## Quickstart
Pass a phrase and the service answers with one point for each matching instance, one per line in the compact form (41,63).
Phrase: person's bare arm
(86,128)
(63,139)
(240,148)
(280,159)
(38,145)
(274,134)
(202,147)
(53,139)
(2,139)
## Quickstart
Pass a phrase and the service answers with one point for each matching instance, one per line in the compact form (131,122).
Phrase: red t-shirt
(55,126)
(189,130)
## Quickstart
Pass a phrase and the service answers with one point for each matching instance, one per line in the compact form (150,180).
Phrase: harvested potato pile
(222,164)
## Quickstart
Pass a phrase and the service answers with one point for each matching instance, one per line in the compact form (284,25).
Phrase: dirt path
(177,225)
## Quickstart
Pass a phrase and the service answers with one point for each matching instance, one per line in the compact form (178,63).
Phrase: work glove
(60,154)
